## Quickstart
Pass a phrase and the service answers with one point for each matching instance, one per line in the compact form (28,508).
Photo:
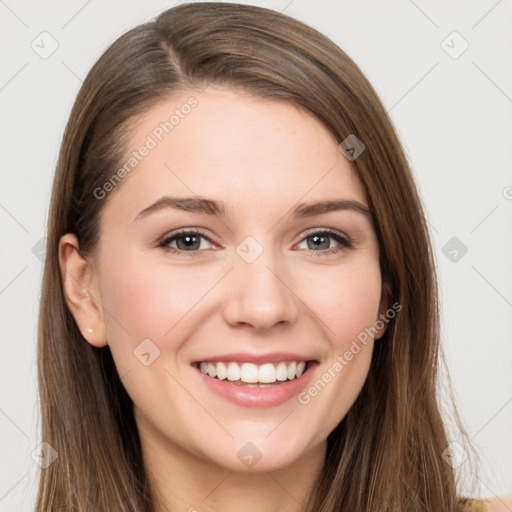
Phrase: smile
(256,385)
(250,373)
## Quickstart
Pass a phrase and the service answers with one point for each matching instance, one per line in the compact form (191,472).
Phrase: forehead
(232,145)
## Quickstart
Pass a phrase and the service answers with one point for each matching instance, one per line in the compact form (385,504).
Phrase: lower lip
(258,397)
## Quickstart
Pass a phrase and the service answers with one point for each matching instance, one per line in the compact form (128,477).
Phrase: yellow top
(470,505)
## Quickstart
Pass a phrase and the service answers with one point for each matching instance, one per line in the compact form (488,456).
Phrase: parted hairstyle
(388,452)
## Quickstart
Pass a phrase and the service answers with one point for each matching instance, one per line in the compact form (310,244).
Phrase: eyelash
(343,241)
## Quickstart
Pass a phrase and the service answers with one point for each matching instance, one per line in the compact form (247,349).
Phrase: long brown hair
(387,453)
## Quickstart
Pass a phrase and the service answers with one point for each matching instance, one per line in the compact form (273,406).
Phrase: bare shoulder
(501,504)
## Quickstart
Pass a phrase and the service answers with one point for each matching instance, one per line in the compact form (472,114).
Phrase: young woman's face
(260,277)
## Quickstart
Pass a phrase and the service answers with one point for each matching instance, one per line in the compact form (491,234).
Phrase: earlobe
(81,292)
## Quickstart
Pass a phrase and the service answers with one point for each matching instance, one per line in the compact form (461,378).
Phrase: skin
(499,504)
(261,158)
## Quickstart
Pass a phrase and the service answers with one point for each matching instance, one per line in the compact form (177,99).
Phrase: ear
(385,302)
(81,291)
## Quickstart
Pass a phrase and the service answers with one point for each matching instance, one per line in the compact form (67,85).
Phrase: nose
(259,294)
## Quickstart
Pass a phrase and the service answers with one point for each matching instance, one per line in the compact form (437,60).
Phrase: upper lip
(246,357)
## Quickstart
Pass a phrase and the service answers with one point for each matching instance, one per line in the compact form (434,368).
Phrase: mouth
(229,382)
(254,375)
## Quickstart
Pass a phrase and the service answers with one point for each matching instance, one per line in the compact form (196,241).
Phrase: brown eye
(185,241)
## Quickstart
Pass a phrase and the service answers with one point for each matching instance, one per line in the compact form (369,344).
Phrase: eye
(185,241)
(320,242)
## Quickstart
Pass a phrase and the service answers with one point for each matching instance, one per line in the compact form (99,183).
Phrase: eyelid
(330,231)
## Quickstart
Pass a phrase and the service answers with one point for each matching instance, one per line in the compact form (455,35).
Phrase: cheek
(147,300)
(150,301)
(346,299)
(347,302)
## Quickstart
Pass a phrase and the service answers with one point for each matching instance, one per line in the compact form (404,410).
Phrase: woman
(239,306)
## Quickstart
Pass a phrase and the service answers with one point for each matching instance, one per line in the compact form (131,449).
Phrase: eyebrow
(198,204)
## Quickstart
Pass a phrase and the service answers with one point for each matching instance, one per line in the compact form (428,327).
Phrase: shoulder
(500,504)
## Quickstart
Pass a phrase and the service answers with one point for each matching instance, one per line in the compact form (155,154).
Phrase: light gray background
(454,116)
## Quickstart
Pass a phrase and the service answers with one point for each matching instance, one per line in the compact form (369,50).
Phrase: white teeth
(281,372)
(233,371)
(291,370)
(267,373)
(250,373)
(211,370)
(222,371)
